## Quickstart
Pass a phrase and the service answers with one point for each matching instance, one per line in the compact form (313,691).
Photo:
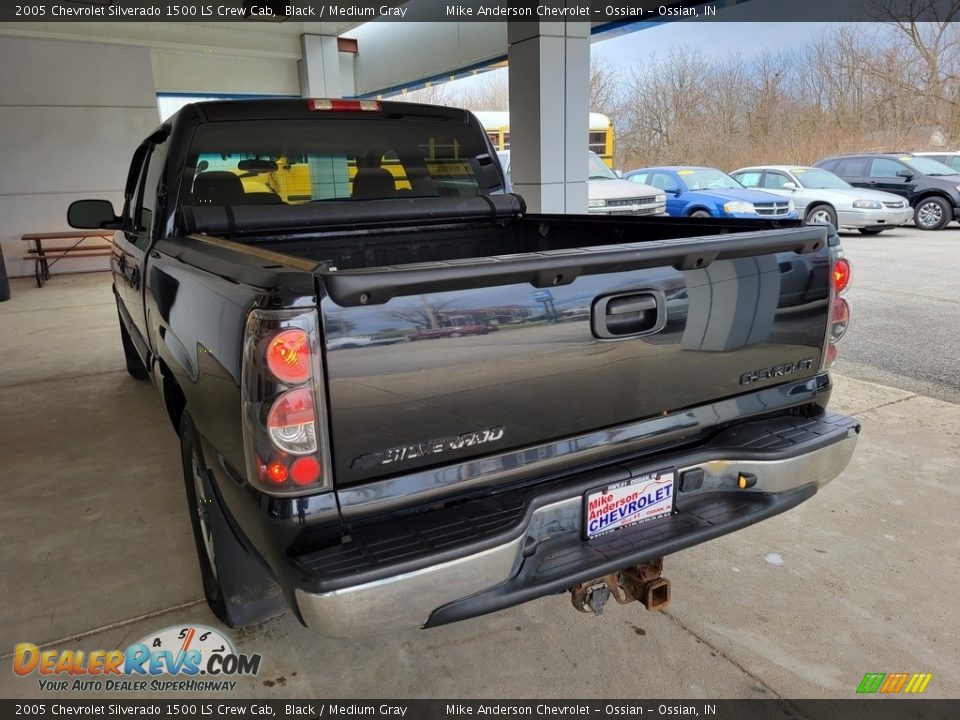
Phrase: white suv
(949,158)
(608,194)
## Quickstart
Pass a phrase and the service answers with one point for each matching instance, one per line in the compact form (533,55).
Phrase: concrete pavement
(905,322)
(97,553)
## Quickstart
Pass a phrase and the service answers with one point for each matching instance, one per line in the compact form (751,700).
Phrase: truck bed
(344,247)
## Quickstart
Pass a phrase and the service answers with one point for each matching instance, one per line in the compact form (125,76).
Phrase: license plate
(626,503)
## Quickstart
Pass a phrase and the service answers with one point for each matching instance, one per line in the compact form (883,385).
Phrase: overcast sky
(714,39)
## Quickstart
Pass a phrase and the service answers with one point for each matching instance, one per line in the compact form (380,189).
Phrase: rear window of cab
(291,162)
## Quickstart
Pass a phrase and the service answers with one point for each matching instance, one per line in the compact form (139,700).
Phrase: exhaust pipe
(641,582)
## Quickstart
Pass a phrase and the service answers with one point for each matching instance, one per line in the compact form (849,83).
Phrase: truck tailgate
(433,364)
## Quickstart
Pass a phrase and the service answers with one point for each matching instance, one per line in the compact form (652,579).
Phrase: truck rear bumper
(542,550)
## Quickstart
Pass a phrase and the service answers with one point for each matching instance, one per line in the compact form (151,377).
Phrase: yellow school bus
(600,138)
(294,180)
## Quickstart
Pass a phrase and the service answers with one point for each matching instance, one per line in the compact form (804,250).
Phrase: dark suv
(931,188)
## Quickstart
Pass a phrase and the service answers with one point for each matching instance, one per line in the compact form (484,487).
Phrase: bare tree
(891,85)
(433,94)
(490,91)
(426,315)
(936,46)
(487,91)
(604,88)
(336,323)
(663,103)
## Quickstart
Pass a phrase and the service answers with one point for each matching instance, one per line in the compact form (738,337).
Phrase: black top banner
(598,12)
(213,709)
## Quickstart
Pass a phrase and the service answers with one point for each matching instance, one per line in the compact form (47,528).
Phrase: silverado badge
(430,447)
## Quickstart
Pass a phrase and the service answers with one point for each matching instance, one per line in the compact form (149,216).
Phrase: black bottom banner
(876,708)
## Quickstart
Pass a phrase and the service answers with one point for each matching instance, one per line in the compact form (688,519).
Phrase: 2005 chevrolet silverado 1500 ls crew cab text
(585,395)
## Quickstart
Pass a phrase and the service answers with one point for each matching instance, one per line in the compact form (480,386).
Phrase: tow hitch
(641,582)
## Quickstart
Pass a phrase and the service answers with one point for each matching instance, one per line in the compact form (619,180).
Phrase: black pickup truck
(403,401)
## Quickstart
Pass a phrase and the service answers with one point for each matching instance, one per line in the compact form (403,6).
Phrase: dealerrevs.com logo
(186,651)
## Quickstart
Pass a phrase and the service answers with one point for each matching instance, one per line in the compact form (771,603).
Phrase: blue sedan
(705,192)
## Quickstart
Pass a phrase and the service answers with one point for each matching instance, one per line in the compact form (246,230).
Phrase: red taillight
(282,393)
(305,470)
(288,356)
(343,105)
(292,422)
(841,275)
(276,473)
(839,316)
(839,319)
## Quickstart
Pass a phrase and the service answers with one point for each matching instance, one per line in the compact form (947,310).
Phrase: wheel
(236,585)
(699,214)
(821,215)
(932,213)
(200,506)
(135,366)
(871,231)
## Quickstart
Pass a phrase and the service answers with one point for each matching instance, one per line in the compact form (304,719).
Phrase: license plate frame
(613,502)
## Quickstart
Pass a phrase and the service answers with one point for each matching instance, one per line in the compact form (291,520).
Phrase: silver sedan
(822,197)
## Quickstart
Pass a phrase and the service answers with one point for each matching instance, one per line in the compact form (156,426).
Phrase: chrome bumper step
(437,568)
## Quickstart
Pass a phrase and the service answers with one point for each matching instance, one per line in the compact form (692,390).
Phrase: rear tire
(236,585)
(871,231)
(135,366)
(821,215)
(932,213)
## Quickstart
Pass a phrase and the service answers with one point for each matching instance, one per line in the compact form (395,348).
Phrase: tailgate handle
(633,305)
(629,315)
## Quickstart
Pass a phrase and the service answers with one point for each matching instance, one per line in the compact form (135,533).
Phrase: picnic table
(46,257)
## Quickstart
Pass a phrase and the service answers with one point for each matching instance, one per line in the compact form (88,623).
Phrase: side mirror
(675,191)
(790,186)
(905,174)
(92,215)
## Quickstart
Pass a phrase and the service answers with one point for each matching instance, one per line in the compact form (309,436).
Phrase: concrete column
(320,67)
(549,66)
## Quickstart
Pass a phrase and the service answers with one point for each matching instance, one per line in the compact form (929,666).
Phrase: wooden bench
(45,258)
